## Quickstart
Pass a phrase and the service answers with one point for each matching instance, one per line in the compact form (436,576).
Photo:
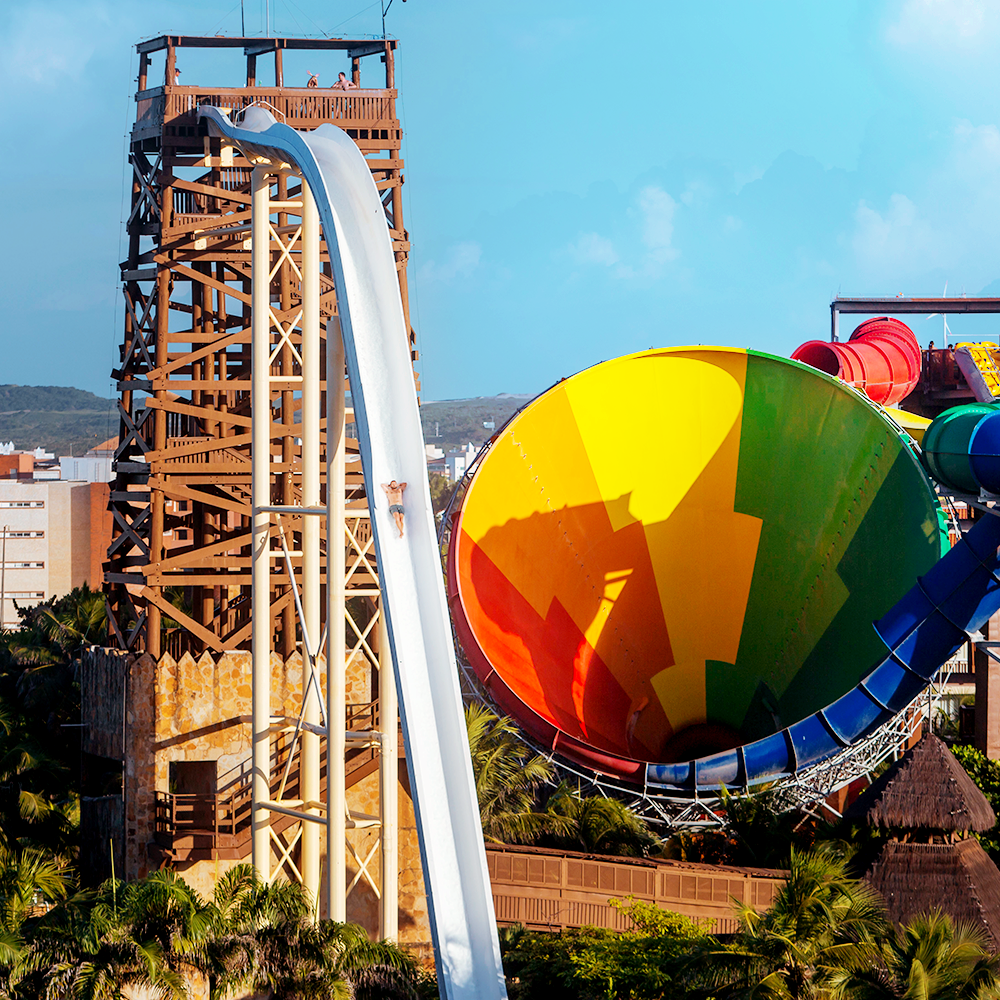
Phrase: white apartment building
(52,538)
(458,460)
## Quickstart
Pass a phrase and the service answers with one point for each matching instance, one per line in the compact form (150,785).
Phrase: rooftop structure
(930,805)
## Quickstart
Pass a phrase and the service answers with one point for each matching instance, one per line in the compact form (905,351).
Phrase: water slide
(376,346)
(668,568)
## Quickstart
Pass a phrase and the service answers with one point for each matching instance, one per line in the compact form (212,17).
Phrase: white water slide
(377,351)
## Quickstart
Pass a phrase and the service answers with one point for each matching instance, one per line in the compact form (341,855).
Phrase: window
(24,595)
(24,534)
(181,534)
(10,504)
(24,565)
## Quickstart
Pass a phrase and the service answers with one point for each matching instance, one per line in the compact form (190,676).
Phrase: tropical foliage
(510,780)
(39,720)
(648,961)
(157,935)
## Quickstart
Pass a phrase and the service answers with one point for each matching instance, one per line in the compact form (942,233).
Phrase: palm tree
(29,882)
(596,824)
(126,937)
(927,959)
(263,937)
(34,807)
(508,776)
(821,923)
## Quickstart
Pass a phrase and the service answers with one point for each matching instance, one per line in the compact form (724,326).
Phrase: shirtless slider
(394,491)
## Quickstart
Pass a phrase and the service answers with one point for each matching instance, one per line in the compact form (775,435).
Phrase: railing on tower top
(299,107)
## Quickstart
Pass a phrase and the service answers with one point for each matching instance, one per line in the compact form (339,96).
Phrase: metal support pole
(388,783)
(336,652)
(260,403)
(834,323)
(310,530)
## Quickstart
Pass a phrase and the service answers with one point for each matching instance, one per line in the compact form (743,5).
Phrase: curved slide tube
(961,448)
(376,346)
(882,357)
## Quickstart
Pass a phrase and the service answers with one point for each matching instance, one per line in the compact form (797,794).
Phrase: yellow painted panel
(685,505)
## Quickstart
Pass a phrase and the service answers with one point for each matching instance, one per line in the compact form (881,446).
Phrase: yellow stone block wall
(199,709)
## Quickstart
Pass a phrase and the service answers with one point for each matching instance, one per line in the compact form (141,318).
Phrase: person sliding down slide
(394,491)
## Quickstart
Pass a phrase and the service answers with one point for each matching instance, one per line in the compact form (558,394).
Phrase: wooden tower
(178,574)
(178,571)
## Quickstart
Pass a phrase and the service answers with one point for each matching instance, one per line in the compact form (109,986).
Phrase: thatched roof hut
(930,806)
(926,789)
(959,879)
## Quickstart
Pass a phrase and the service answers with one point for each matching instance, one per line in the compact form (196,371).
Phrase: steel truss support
(320,717)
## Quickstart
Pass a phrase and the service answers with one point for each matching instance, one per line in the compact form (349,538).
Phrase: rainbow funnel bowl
(683,551)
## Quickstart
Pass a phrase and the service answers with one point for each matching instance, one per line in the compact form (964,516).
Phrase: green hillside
(68,421)
(450,423)
(61,419)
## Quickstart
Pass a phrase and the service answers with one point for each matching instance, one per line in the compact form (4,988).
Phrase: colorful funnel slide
(882,357)
(667,569)
(376,345)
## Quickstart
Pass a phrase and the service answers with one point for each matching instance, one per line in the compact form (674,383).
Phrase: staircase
(193,827)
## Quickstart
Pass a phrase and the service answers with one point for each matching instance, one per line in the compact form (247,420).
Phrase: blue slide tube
(920,632)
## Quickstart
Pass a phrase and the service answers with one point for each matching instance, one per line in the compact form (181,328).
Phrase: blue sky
(583,179)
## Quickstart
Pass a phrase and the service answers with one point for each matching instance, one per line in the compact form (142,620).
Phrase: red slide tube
(882,357)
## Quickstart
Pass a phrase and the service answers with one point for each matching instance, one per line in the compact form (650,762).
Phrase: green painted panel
(813,460)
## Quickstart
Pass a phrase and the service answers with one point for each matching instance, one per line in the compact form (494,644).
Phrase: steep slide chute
(668,566)
(376,346)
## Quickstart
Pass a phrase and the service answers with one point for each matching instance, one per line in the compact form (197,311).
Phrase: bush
(587,963)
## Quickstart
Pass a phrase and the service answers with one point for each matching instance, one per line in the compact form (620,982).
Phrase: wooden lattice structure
(178,573)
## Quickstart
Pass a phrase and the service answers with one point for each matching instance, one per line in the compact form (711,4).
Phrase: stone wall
(200,710)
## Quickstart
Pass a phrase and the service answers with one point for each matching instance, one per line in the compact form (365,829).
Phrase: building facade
(53,536)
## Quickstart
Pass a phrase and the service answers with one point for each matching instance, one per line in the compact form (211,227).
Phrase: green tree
(650,961)
(986,774)
(264,938)
(927,959)
(123,938)
(508,775)
(158,935)
(596,824)
(821,923)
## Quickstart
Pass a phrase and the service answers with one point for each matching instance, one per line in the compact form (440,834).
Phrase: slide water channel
(376,348)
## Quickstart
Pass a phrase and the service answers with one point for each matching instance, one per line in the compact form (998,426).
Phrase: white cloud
(657,208)
(461,261)
(696,191)
(644,242)
(944,25)
(895,241)
(591,248)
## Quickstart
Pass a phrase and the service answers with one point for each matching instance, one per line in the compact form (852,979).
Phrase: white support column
(310,775)
(336,673)
(388,783)
(260,403)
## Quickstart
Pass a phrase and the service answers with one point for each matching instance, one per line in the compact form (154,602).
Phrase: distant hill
(68,421)
(450,423)
(60,419)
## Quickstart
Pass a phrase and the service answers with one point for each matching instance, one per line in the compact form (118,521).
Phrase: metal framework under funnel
(323,714)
